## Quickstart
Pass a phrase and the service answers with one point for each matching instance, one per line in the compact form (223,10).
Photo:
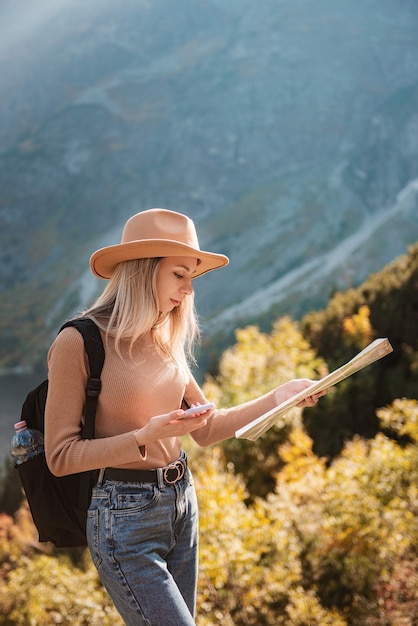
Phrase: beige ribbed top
(133,390)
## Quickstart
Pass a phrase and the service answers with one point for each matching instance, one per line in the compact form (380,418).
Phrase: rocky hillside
(287,130)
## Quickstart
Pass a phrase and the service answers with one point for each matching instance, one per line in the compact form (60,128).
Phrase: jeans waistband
(168,475)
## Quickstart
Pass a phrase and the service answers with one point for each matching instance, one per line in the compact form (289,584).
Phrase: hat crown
(161,224)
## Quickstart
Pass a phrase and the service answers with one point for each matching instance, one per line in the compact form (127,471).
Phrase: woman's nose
(187,287)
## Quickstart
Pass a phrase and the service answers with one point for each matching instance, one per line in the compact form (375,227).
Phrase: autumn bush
(250,570)
(332,545)
(257,363)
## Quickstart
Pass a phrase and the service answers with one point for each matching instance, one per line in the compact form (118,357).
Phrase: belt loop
(160,478)
(100,479)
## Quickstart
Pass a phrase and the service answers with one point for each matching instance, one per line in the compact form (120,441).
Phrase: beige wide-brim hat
(156,233)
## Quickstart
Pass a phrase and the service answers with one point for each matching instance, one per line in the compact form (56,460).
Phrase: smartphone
(198,409)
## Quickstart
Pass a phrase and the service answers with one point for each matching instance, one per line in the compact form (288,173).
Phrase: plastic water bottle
(26,443)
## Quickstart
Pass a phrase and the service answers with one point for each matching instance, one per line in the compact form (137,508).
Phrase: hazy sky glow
(20,19)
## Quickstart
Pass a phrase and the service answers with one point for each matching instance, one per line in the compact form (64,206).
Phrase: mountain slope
(287,131)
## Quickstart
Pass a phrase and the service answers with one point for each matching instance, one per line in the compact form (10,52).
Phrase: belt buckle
(177,467)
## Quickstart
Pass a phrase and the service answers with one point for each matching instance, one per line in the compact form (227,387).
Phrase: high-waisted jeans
(143,539)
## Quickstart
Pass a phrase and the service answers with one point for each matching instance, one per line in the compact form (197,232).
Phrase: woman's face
(174,281)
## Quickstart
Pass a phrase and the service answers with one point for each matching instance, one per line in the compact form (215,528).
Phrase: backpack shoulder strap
(93,345)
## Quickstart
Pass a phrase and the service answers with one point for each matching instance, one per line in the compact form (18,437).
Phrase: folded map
(373,352)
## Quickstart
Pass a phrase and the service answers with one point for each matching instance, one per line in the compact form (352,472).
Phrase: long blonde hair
(128,309)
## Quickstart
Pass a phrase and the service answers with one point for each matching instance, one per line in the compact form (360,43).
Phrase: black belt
(168,475)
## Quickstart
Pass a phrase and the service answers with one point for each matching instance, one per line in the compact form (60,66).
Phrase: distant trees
(386,305)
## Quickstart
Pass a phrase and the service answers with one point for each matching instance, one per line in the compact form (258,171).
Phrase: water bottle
(26,443)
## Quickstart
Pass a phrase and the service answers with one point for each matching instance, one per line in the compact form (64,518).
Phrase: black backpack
(59,504)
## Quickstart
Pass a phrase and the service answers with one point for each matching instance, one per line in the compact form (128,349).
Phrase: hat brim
(104,260)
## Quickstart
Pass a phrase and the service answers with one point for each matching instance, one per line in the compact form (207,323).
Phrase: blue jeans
(143,539)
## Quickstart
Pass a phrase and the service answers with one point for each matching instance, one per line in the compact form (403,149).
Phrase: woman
(142,523)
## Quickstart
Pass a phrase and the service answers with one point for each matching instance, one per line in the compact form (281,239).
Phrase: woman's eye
(177,275)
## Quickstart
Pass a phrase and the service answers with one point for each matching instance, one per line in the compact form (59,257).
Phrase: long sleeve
(66,452)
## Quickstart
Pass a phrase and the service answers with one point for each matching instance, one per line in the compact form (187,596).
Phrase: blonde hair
(128,309)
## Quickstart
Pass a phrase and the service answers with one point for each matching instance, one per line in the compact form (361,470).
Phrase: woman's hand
(292,387)
(172,424)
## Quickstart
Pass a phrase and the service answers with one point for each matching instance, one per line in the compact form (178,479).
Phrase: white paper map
(373,352)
